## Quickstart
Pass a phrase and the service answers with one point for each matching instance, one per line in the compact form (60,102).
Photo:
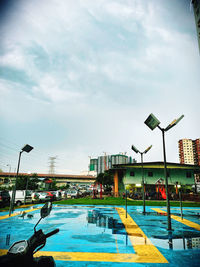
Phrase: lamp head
(134,149)
(173,123)
(148,148)
(152,122)
(27,148)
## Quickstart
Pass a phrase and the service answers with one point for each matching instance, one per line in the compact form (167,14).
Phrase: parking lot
(103,236)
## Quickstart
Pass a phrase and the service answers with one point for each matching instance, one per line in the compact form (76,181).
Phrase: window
(188,174)
(132,173)
(150,174)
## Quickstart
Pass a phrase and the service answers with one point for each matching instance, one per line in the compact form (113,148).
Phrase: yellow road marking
(177,218)
(116,245)
(99,257)
(183,209)
(17,213)
(140,242)
(145,251)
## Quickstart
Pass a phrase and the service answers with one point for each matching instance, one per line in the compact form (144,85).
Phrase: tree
(106,179)
(32,182)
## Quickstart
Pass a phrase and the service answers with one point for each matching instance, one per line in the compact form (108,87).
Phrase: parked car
(35,197)
(43,196)
(19,197)
(51,195)
(64,194)
(72,194)
(58,194)
(4,198)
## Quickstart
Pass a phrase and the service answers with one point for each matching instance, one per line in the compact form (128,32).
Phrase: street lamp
(9,171)
(152,122)
(141,153)
(27,148)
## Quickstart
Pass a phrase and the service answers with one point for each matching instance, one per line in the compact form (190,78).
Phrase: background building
(106,162)
(131,175)
(196,7)
(189,151)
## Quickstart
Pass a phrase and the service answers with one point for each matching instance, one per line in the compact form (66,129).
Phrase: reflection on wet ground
(106,233)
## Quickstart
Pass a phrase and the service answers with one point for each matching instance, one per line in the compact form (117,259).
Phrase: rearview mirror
(46,209)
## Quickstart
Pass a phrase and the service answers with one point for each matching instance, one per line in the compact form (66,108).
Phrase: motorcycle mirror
(44,212)
(46,209)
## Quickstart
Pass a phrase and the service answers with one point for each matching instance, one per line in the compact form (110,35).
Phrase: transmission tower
(52,165)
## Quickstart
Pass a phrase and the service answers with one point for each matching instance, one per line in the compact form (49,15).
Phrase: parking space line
(17,213)
(145,251)
(177,218)
(140,242)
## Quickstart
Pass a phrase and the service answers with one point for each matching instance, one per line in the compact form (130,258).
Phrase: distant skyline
(79,78)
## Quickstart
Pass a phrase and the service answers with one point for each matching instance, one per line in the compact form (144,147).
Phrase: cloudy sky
(79,78)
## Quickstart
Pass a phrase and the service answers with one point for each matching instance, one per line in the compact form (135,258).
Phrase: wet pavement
(106,235)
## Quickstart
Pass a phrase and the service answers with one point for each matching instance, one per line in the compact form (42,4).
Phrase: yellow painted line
(145,251)
(177,218)
(182,208)
(116,245)
(98,257)
(142,245)
(17,213)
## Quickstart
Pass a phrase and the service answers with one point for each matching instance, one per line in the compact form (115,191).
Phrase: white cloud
(94,70)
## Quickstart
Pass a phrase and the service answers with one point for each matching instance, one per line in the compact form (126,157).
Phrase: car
(4,198)
(35,197)
(64,194)
(51,195)
(43,197)
(72,194)
(58,194)
(19,197)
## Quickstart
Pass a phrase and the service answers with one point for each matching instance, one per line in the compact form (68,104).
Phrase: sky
(79,78)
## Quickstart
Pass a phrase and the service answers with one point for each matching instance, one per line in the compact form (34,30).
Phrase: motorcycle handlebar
(52,233)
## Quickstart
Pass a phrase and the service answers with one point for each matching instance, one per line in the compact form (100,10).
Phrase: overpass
(59,178)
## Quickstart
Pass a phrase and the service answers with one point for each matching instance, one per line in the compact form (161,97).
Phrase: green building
(130,176)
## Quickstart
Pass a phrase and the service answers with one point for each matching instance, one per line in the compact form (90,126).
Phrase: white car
(43,196)
(19,197)
(72,194)
(58,194)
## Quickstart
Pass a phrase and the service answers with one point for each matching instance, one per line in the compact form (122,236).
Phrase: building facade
(196,8)
(153,173)
(189,151)
(106,162)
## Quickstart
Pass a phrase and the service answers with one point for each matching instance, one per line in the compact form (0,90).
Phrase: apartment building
(189,151)
(106,162)
(196,8)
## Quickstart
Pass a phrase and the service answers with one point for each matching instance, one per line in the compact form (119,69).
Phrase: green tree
(53,185)
(106,179)
(32,181)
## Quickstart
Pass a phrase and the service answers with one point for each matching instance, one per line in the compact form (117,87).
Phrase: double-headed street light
(141,153)
(27,148)
(152,122)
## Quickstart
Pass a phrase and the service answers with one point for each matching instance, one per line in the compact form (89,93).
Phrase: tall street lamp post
(27,148)
(143,191)
(9,172)
(152,122)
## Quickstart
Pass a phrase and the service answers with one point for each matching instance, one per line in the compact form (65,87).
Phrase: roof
(157,165)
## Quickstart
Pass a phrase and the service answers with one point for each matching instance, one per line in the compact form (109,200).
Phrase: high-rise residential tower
(196,7)
(189,151)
